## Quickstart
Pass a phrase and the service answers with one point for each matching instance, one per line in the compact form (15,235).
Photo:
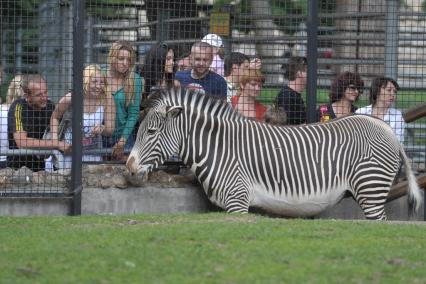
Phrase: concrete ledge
(156,199)
(13,206)
(144,200)
(347,208)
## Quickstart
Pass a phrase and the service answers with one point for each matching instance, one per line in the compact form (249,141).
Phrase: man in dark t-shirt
(28,119)
(200,77)
(289,98)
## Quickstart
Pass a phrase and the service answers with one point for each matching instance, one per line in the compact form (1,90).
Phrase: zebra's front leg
(237,201)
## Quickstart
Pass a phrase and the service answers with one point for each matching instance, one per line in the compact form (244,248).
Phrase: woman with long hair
(14,90)
(383,92)
(158,70)
(345,91)
(125,85)
(98,116)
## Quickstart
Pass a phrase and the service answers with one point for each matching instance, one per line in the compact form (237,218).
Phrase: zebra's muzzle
(131,165)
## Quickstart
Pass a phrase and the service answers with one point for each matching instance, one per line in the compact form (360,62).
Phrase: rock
(119,181)
(51,179)
(98,176)
(5,175)
(136,180)
(21,177)
(104,184)
(166,180)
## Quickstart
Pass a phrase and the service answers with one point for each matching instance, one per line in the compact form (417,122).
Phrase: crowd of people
(113,95)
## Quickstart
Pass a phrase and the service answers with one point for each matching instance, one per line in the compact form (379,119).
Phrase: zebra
(294,171)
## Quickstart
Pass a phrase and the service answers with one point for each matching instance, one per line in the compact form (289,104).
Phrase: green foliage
(209,248)
(106,8)
(12,9)
(279,8)
(286,8)
(218,5)
(28,8)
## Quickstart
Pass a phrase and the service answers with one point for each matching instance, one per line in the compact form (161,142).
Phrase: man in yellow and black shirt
(28,119)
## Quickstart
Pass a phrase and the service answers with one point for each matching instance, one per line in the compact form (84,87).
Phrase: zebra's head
(156,140)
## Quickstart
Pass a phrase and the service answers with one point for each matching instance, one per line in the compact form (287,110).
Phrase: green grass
(209,248)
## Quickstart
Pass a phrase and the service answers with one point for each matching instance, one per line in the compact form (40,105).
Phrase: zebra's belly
(295,206)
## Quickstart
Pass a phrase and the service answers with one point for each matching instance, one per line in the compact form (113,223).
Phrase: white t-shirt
(231,90)
(217,65)
(89,142)
(393,117)
(4,142)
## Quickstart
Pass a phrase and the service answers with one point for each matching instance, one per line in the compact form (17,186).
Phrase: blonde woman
(126,87)
(98,116)
(14,92)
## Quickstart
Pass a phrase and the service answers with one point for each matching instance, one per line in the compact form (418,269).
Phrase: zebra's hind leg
(237,201)
(372,202)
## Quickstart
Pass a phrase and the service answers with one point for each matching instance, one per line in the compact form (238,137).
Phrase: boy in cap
(216,43)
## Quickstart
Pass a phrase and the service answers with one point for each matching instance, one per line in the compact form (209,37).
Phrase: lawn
(209,248)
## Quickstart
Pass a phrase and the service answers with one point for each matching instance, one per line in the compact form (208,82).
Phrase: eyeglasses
(353,87)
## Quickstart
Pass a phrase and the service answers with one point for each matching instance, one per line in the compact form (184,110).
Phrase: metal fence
(58,38)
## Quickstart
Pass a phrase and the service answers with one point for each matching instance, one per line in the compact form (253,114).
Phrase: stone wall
(94,176)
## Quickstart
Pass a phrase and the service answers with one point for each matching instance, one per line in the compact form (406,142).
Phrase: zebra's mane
(190,98)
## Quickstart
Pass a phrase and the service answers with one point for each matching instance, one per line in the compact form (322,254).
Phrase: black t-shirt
(326,112)
(22,117)
(293,105)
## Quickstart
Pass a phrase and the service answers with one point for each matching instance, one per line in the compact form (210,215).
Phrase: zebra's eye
(151,131)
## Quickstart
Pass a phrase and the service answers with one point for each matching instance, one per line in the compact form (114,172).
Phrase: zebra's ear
(173,111)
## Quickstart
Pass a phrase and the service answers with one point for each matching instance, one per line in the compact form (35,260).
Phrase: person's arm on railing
(132,118)
(109,116)
(58,113)
(23,141)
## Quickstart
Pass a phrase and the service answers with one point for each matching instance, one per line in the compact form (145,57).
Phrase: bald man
(200,76)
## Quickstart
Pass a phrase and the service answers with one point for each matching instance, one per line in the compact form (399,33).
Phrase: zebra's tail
(414,194)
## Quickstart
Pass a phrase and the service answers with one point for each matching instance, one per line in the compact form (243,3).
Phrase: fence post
(312,55)
(77,103)
(4,40)
(391,39)
(162,25)
(89,44)
(230,9)
(18,47)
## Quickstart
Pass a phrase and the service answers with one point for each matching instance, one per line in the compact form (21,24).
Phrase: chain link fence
(354,42)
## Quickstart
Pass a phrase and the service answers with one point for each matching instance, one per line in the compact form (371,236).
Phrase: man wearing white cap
(216,42)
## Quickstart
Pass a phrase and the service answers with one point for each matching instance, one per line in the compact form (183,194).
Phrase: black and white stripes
(294,171)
